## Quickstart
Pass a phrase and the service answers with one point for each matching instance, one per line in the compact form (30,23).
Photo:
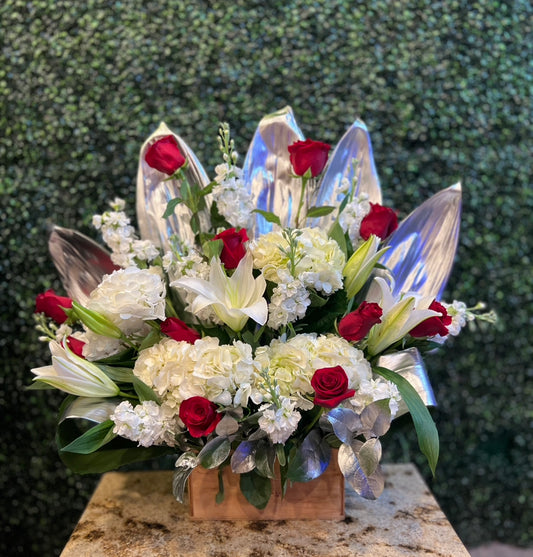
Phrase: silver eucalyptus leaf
(215,452)
(369,456)
(265,456)
(185,465)
(96,410)
(258,434)
(424,244)
(243,458)
(154,191)
(354,147)
(410,365)
(310,460)
(376,418)
(227,426)
(346,423)
(267,170)
(81,262)
(368,486)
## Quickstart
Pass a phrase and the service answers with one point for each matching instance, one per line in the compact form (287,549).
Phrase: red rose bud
(175,328)
(356,325)
(234,249)
(164,155)
(331,386)
(436,325)
(308,154)
(76,345)
(199,415)
(52,306)
(381,221)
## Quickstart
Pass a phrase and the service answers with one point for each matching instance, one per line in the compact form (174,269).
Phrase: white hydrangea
(225,374)
(289,301)
(233,201)
(120,236)
(147,423)
(291,364)
(372,390)
(130,294)
(97,347)
(319,260)
(352,216)
(279,423)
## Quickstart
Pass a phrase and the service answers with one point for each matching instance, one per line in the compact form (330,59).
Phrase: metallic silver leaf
(369,456)
(267,170)
(346,423)
(355,144)
(96,410)
(154,191)
(243,460)
(376,418)
(368,486)
(227,426)
(410,365)
(80,261)
(310,460)
(185,465)
(215,452)
(424,244)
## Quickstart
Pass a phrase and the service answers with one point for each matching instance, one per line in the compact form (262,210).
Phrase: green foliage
(443,88)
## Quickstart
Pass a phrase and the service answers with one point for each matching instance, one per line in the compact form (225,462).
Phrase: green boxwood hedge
(444,89)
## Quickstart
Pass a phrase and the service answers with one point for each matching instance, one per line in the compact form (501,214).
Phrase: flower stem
(305,179)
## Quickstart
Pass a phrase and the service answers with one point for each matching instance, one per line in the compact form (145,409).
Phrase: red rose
(233,250)
(436,325)
(381,221)
(52,306)
(355,325)
(175,328)
(199,415)
(331,386)
(76,345)
(164,155)
(308,154)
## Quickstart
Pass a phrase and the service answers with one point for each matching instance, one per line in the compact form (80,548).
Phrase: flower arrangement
(274,313)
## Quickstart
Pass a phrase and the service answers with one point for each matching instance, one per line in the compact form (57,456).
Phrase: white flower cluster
(354,212)
(460,316)
(292,363)
(120,236)
(224,374)
(233,201)
(147,423)
(373,390)
(289,300)
(279,423)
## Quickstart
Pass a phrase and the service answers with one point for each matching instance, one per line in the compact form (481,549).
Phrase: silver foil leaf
(267,170)
(355,145)
(154,191)
(376,418)
(185,465)
(346,423)
(310,460)
(96,410)
(410,365)
(359,471)
(424,244)
(242,460)
(215,452)
(81,262)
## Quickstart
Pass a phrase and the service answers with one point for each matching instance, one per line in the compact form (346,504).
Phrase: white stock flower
(74,375)
(233,200)
(352,216)
(372,390)
(279,422)
(234,299)
(289,301)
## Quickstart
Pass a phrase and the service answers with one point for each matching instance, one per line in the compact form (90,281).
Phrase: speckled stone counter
(134,514)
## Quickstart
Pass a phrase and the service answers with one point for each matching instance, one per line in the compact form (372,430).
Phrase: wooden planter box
(322,498)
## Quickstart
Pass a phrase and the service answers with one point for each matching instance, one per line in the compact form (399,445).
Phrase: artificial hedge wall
(443,87)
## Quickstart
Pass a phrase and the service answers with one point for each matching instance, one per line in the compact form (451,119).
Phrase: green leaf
(256,489)
(212,248)
(220,495)
(215,452)
(270,217)
(153,337)
(336,233)
(426,430)
(171,206)
(320,211)
(143,391)
(92,439)
(117,374)
(316,299)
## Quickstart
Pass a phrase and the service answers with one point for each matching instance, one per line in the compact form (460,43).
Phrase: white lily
(74,375)
(234,299)
(400,315)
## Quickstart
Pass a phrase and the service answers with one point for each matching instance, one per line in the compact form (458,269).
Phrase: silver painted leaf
(410,365)
(154,191)
(310,460)
(227,426)
(354,144)
(424,244)
(215,452)
(81,262)
(265,456)
(96,410)
(243,460)
(346,423)
(376,418)
(352,465)
(185,465)
(267,170)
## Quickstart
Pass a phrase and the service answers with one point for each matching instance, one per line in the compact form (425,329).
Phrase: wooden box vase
(322,498)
